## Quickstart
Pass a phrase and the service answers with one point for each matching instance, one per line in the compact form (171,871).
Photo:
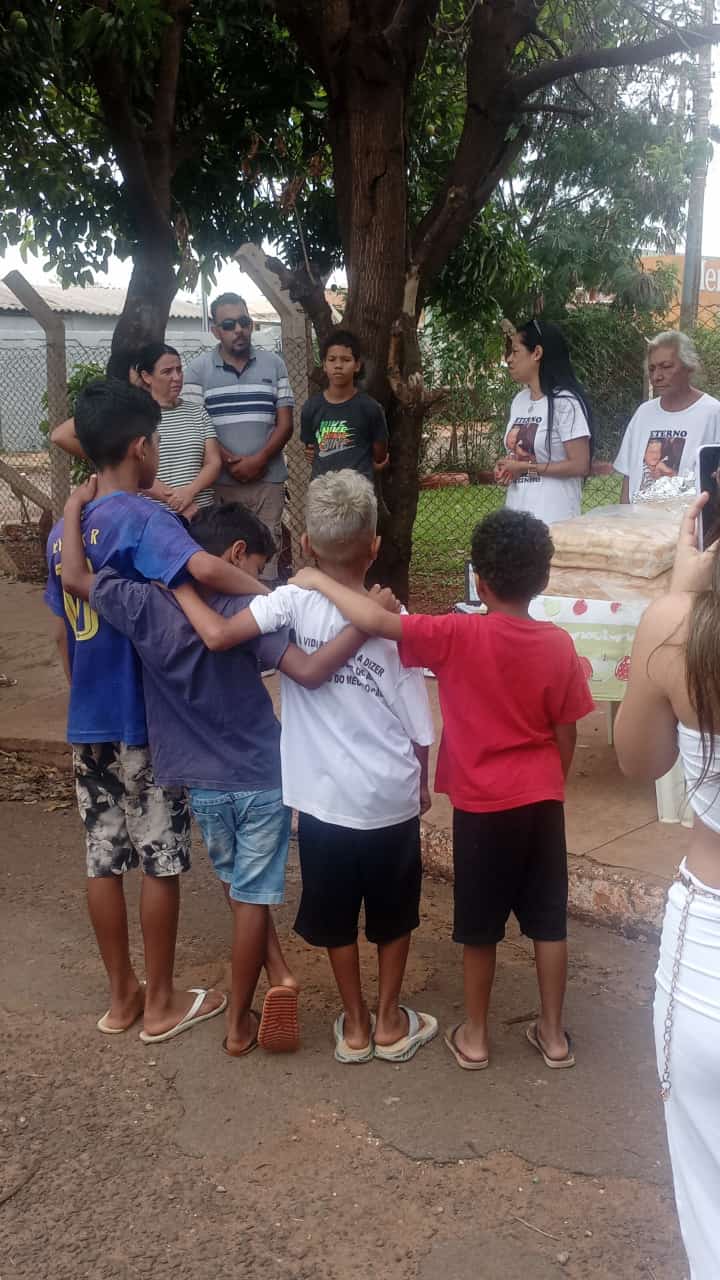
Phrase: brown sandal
(279,1031)
(462,1059)
(253,1044)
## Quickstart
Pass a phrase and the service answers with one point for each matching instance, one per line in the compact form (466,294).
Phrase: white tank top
(704,800)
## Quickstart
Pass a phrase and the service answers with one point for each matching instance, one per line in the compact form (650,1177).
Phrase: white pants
(692,1112)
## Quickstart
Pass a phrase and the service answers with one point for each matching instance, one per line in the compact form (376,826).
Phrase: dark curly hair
(511,551)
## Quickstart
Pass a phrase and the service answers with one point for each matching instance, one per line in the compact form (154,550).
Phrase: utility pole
(702,96)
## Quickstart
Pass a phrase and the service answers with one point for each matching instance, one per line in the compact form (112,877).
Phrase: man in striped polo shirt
(247,394)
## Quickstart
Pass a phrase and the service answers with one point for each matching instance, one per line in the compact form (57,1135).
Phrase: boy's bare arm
(566,737)
(361,610)
(423,755)
(65,438)
(224,577)
(312,670)
(60,638)
(77,579)
(215,631)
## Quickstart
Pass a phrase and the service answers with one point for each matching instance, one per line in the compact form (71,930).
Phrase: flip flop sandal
(462,1059)
(189,1019)
(252,1044)
(279,1031)
(102,1023)
(555,1064)
(422,1028)
(343,1052)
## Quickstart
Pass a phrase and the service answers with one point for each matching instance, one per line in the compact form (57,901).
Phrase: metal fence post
(57,393)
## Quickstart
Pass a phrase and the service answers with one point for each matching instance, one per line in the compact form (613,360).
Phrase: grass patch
(444,524)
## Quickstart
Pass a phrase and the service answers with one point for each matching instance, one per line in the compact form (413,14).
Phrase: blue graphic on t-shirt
(141,540)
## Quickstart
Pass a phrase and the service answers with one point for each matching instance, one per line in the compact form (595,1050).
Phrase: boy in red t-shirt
(511,690)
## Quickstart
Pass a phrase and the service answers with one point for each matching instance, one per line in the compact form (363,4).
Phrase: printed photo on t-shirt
(520,445)
(662,456)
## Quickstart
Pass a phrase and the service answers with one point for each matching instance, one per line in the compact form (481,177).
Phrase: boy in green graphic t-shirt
(341,427)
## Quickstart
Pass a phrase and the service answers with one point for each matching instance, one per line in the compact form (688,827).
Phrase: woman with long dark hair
(548,439)
(671,707)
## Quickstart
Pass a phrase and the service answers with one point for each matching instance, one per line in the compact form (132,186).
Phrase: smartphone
(708,476)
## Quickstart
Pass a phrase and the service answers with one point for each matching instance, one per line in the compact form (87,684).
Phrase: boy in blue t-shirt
(128,819)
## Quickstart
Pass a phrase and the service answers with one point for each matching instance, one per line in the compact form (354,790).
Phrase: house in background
(90,315)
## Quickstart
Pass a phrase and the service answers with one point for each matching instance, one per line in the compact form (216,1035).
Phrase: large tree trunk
(144,317)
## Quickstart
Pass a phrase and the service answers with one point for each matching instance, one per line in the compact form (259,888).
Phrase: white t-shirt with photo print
(550,498)
(346,748)
(658,443)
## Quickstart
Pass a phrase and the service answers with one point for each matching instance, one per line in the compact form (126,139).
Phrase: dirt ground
(120,1161)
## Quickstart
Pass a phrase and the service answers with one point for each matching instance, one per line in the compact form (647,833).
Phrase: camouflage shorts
(128,819)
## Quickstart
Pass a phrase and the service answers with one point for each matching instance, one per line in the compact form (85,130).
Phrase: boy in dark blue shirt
(128,818)
(212,729)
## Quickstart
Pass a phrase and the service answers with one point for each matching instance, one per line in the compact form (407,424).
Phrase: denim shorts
(247,835)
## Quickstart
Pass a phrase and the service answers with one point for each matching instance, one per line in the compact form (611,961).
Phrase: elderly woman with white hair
(664,434)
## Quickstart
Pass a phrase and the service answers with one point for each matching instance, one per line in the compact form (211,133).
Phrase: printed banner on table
(603,632)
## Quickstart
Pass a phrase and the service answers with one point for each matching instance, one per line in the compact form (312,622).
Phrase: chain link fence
(463,441)
(460,444)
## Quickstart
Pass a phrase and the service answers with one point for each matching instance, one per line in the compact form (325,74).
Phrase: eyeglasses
(242,322)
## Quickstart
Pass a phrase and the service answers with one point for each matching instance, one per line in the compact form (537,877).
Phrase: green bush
(80,375)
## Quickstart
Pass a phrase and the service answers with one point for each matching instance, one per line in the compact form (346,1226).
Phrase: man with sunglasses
(247,394)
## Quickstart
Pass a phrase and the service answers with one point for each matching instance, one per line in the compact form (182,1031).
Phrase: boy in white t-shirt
(354,763)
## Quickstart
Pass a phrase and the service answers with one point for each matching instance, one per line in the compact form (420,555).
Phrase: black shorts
(342,867)
(511,860)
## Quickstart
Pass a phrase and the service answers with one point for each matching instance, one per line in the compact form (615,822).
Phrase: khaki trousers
(266,500)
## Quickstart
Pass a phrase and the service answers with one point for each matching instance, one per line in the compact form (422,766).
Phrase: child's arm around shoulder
(311,670)
(77,579)
(215,631)
(363,611)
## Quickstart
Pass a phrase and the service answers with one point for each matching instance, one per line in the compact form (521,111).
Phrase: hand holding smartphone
(708,475)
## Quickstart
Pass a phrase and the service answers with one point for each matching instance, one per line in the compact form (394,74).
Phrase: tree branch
(549,109)
(307,289)
(635,53)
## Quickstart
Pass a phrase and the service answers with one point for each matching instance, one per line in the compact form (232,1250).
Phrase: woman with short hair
(665,433)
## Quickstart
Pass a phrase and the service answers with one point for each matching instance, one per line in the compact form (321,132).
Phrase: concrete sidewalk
(621,857)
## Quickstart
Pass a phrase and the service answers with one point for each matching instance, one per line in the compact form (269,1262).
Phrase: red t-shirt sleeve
(570,697)
(426,640)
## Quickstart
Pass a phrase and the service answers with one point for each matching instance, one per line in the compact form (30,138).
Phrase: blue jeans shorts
(247,835)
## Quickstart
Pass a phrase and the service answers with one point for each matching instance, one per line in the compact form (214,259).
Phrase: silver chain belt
(693,892)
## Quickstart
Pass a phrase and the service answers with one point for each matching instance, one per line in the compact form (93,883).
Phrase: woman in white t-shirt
(664,434)
(548,439)
(190,459)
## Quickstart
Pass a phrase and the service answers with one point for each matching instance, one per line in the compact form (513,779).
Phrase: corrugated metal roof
(103,300)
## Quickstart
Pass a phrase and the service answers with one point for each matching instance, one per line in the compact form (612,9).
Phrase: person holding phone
(672,705)
(665,433)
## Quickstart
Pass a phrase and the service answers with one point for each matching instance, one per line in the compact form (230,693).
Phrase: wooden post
(56,372)
(297,347)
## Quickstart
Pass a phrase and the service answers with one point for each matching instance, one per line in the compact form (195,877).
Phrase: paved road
(118,1161)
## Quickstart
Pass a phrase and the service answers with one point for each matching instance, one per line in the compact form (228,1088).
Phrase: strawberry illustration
(586,667)
(615,607)
(622,670)
(579,607)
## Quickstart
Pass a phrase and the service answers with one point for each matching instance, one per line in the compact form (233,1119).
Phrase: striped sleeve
(285,397)
(193,391)
(207,426)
